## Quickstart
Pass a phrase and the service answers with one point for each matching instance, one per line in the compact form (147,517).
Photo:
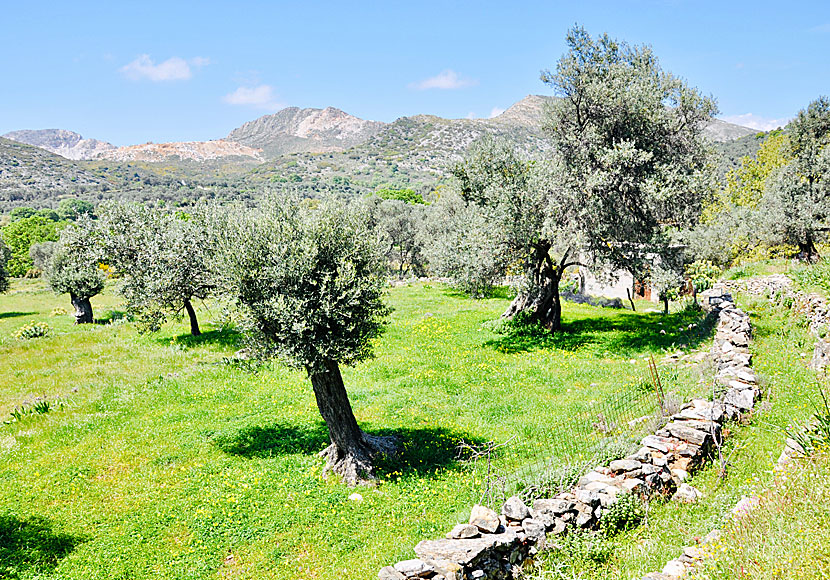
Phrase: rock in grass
(484,519)
(515,509)
(687,494)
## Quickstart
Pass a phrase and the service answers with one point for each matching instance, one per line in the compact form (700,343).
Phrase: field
(160,457)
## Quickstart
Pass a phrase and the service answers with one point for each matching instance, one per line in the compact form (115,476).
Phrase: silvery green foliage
(4,273)
(796,204)
(41,254)
(629,138)
(164,259)
(397,225)
(310,280)
(73,267)
(460,243)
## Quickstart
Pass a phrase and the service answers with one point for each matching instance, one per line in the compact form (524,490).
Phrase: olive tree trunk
(540,298)
(352,451)
(194,322)
(83,309)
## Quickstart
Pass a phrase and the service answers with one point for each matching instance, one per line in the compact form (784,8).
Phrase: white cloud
(754,121)
(260,97)
(496,111)
(172,69)
(445,80)
(821,28)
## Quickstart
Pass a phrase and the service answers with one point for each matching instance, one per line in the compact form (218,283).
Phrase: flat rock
(685,433)
(675,569)
(515,509)
(742,399)
(484,519)
(554,506)
(413,568)
(465,551)
(623,465)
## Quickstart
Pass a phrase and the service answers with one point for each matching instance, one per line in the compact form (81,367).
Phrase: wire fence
(544,461)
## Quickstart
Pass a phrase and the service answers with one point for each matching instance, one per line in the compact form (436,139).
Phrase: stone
(687,494)
(623,465)
(679,475)
(389,573)
(742,399)
(462,552)
(693,553)
(586,497)
(515,509)
(595,477)
(356,497)
(414,568)
(684,433)
(464,531)
(675,568)
(554,506)
(484,519)
(643,455)
(584,519)
(662,444)
(534,529)
(634,485)
(559,527)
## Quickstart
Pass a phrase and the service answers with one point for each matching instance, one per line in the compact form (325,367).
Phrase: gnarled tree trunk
(351,451)
(83,309)
(540,298)
(807,251)
(194,322)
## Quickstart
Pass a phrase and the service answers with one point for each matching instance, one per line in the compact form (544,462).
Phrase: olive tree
(73,268)
(629,157)
(397,224)
(796,203)
(165,261)
(310,282)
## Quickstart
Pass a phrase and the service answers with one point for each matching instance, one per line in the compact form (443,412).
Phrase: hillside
(190,150)
(61,142)
(30,175)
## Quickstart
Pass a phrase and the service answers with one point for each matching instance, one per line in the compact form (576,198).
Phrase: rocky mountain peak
(61,142)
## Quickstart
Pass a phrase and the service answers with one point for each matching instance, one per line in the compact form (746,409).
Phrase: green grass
(165,462)
(781,348)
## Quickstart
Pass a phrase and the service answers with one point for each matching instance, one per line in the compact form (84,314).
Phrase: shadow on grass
(255,441)
(15,314)
(29,547)
(226,337)
(497,293)
(421,450)
(620,333)
(113,316)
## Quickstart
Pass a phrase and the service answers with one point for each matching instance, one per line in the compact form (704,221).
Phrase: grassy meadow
(159,458)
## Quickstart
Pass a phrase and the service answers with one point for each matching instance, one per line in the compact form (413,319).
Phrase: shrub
(623,515)
(34,330)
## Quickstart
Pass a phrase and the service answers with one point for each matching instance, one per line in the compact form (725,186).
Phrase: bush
(34,330)
(623,515)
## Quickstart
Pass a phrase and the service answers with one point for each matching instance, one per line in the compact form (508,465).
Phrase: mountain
(293,130)
(61,142)
(311,150)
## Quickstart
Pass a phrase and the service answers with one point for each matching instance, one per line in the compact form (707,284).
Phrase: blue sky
(131,72)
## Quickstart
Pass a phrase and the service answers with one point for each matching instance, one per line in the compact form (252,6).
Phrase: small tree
(73,269)
(4,273)
(21,234)
(41,255)
(165,261)
(310,282)
(397,225)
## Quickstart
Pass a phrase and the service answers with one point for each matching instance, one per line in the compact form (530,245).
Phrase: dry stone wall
(813,307)
(495,546)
